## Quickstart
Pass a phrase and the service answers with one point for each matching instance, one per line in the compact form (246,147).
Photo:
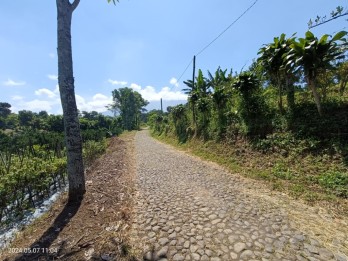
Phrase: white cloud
(115,82)
(135,87)
(44,91)
(17,98)
(39,105)
(52,77)
(35,105)
(10,82)
(149,93)
(174,81)
(48,101)
(98,103)
(167,94)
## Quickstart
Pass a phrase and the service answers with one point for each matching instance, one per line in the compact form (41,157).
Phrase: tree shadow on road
(41,248)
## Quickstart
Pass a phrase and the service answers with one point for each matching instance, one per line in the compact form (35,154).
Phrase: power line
(228,27)
(217,37)
(185,70)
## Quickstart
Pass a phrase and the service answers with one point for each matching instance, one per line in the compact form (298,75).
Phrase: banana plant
(219,83)
(314,56)
(196,91)
(271,59)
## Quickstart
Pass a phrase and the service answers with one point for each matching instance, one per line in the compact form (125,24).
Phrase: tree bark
(280,93)
(316,95)
(290,94)
(73,138)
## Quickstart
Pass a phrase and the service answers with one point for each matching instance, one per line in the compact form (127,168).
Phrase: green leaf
(339,36)
(309,35)
(323,39)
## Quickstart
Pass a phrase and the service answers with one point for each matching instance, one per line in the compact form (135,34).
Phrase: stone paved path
(187,209)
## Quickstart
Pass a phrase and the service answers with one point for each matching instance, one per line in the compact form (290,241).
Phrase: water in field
(8,234)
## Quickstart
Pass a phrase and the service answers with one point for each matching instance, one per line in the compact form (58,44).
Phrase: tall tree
(314,56)
(192,93)
(5,109)
(129,104)
(198,97)
(253,109)
(73,138)
(219,83)
(271,58)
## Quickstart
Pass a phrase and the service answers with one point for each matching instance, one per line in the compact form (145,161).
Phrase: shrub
(336,182)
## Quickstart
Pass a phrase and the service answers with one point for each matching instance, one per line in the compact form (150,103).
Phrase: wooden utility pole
(161,106)
(193,91)
(194,72)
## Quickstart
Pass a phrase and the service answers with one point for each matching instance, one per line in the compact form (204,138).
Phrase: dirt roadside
(96,229)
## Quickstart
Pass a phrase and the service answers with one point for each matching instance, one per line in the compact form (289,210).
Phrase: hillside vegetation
(284,120)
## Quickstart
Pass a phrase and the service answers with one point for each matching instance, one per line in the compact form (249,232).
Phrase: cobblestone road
(187,209)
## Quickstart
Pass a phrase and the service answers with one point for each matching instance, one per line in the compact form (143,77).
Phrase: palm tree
(246,83)
(196,91)
(253,108)
(271,59)
(314,56)
(193,96)
(218,83)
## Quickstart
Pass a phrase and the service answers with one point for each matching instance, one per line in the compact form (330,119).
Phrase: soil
(95,229)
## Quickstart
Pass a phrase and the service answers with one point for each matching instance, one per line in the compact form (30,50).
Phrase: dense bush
(92,150)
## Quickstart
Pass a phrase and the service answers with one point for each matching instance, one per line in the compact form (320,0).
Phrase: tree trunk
(316,95)
(73,138)
(194,120)
(290,95)
(280,94)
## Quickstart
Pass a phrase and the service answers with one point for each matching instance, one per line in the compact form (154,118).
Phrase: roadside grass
(316,178)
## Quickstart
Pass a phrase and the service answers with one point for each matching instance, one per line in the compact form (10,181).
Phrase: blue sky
(145,45)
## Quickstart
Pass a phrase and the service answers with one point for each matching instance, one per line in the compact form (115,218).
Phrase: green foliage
(282,172)
(5,109)
(33,156)
(181,123)
(314,56)
(305,123)
(28,180)
(253,108)
(335,182)
(129,104)
(248,113)
(275,69)
(114,1)
(92,150)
